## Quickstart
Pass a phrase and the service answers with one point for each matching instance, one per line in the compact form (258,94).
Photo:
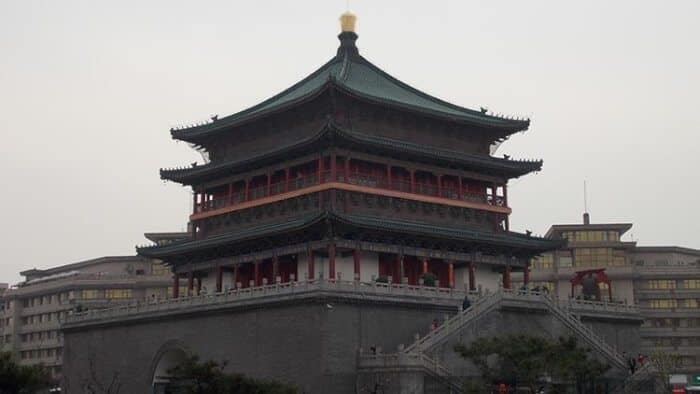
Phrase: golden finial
(347,22)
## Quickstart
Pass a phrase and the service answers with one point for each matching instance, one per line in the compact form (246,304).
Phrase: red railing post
(413,181)
(388,176)
(331,260)
(347,169)
(312,270)
(269,183)
(334,178)
(320,169)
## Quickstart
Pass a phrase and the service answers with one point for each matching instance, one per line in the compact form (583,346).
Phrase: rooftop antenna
(586,216)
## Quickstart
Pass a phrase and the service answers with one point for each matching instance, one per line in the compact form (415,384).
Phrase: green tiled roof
(486,163)
(454,233)
(352,73)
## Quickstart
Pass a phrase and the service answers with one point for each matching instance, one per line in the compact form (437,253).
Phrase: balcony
(355,180)
(270,294)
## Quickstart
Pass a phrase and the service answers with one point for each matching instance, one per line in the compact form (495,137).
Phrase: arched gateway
(168,357)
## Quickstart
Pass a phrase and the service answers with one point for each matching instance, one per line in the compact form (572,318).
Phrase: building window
(690,303)
(591,236)
(90,294)
(565,260)
(665,323)
(691,284)
(598,257)
(663,304)
(118,293)
(661,284)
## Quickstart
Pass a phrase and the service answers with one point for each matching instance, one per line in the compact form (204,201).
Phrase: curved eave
(195,134)
(501,167)
(173,249)
(510,240)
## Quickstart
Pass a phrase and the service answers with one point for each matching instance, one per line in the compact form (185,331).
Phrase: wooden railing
(354,178)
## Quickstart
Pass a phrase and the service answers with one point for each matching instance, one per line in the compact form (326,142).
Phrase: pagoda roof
(509,239)
(486,163)
(353,74)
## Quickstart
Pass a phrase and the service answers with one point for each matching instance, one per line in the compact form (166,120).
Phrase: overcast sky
(89,90)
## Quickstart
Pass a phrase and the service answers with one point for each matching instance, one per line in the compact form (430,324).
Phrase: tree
(524,360)
(665,364)
(193,376)
(21,379)
(519,359)
(570,362)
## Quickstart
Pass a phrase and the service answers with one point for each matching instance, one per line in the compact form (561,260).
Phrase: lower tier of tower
(344,264)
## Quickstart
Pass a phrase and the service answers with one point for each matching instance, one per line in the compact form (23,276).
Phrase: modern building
(663,281)
(319,219)
(32,311)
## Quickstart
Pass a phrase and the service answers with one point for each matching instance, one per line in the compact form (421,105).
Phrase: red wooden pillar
(425,265)
(413,181)
(347,169)
(286,179)
(176,285)
(229,201)
(269,184)
(199,285)
(356,263)
(472,277)
(609,291)
(460,195)
(256,273)
(451,273)
(334,170)
(190,283)
(506,277)
(388,176)
(439,185)
(312,270)
(320,169)
(194,202)
(494,187)
(236,277)
(526,274)
(399,269)
(275,268)
(331,260)
(219,279)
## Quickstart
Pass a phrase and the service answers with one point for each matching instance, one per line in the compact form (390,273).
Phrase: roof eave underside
(502,167)
(533,245)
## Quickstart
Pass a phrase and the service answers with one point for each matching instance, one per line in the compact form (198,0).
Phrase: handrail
(267,291)
(487,303)
(352,178)
(480,306)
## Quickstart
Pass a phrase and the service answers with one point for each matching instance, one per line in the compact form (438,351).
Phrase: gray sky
(89,90)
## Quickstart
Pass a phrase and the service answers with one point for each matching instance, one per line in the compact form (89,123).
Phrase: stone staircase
(487,303)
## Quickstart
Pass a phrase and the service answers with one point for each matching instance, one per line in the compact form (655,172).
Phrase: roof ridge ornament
(347,35)
(348,20)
